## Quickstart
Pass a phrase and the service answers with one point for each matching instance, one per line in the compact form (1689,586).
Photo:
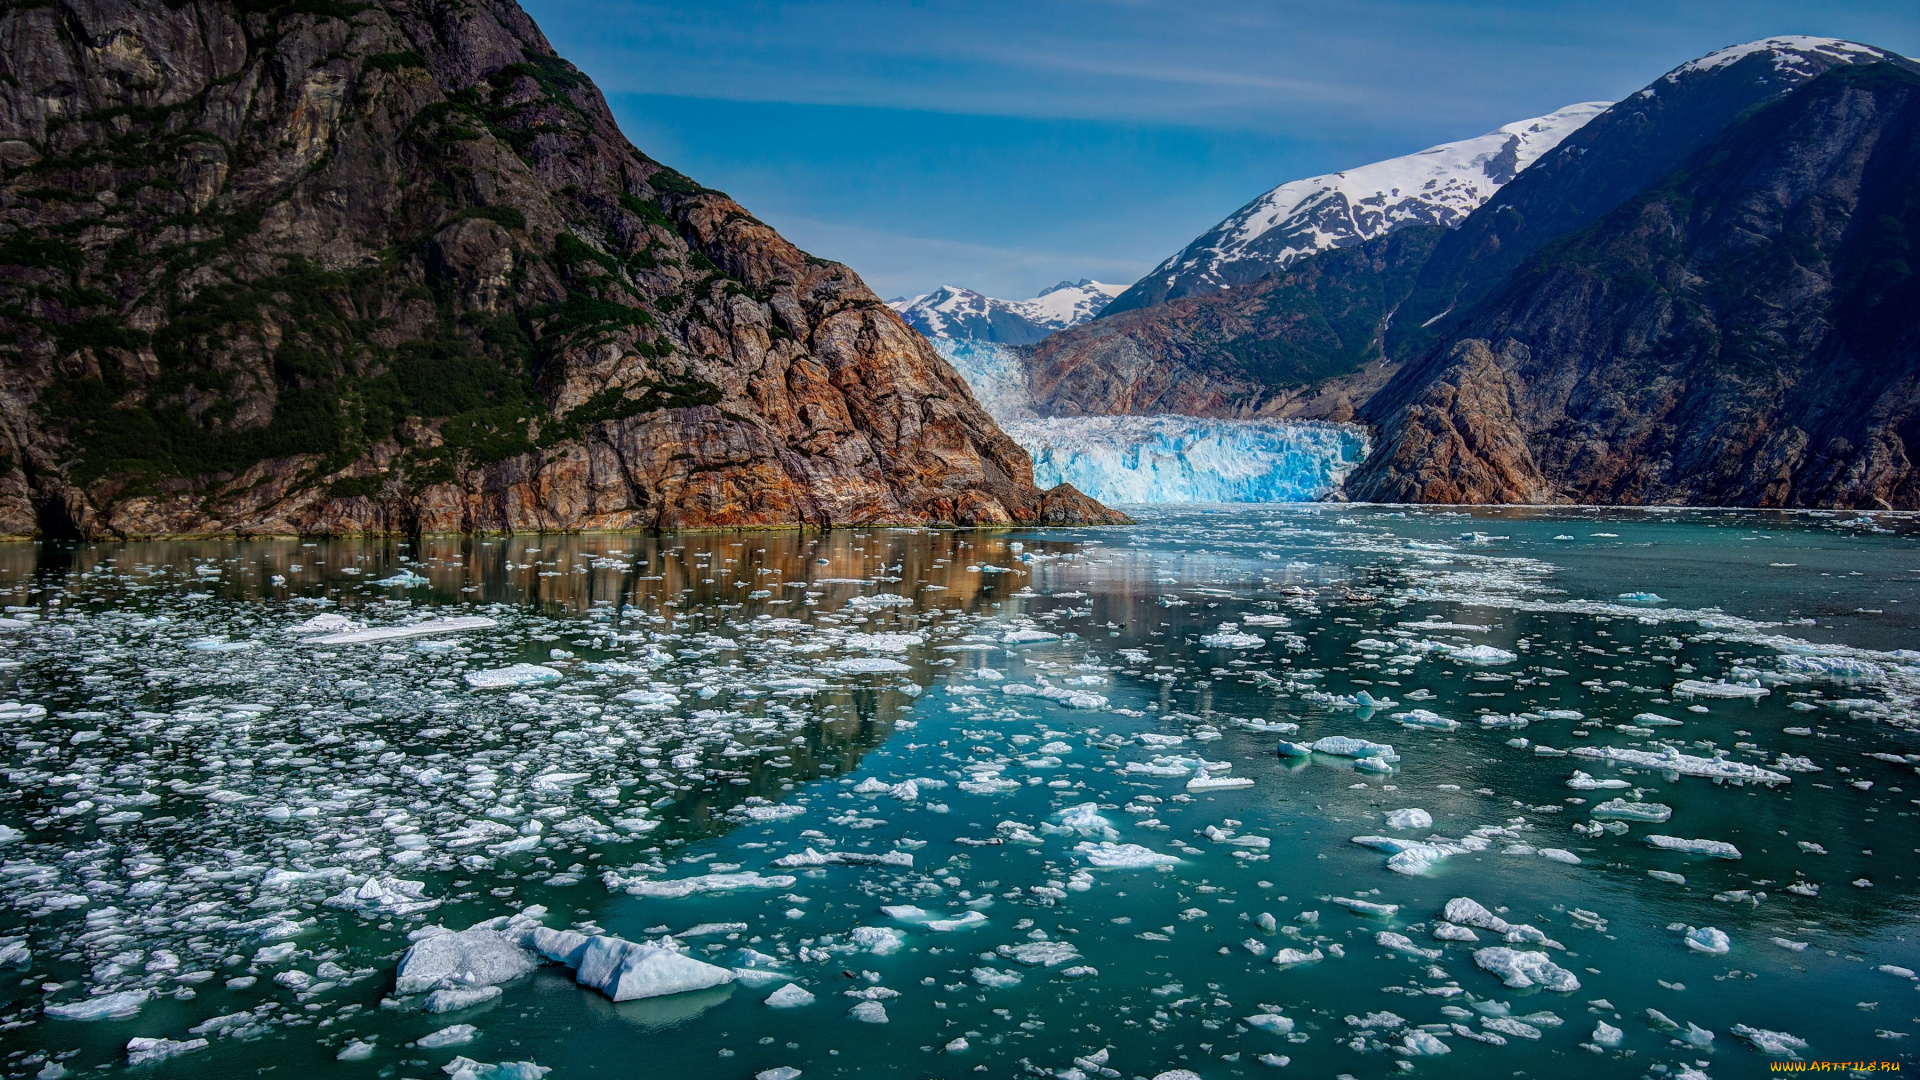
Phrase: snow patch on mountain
(954,312)
(1440,185)
(1790,54)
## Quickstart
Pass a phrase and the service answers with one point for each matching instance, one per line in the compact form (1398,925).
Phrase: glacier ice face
(1165,459)
(1159,459)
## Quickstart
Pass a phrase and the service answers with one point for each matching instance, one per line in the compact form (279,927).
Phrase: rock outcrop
(309,266)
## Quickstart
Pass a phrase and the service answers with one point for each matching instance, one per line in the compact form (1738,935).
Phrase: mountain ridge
(954,312)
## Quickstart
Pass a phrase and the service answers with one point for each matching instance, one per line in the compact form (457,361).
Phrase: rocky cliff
(1745,332)
(312,266)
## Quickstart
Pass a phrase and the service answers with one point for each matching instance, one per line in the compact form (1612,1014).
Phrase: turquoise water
(207,777)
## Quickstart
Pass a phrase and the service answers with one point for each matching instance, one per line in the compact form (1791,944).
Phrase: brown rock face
(1457,442)
(343,268)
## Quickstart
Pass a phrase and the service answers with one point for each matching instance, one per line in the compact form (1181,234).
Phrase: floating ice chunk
(790,996)
(1520,968)
(1410,818)
(1072,699)
(1027,636)
(512,676)
(1421,1044)
(1507,1025)
(1346,746)
(1400,943)
(143,1051)
(1446,931)
(869,1012)
(1423,718)
(1366,907)
(1289,957)
(451,1035)
(463,1068)
(1294,749)
(1773,1043)
(1177,1074)
(1623,810)
(453,999)
(810,857)
(1559,855)
(379,895)
(1467,911)
(1670,759)
(1708,940)
(994,978)
(1648,719)
(412,630)
(1228,636)
(1086,820)
(1582,782)
(1706,689)
(704,883)
(327,623)
(879,600)
(406,579)
(1218,783)
(1040,953)
(1642,598)
(869,665)
(1667,876)
(1480,654)
(477,956)
(778,1072)
(1605,1034)
(357,1050)
(1105,855)
(965,921)
(1719,849)
(115,1006)
(563,946)
(879,940)
(1272,1023)
(625,971)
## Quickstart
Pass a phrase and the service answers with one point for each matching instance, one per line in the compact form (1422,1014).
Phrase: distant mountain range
(1705,293)
(1440,185)
(962,314)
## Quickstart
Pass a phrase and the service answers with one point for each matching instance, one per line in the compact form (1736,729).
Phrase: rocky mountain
(1304,342)
(953,312)
(314,266)
(1606,162)
(1440,185)
(1743,331)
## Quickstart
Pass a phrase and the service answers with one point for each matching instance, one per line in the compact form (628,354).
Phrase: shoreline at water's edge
(944,526)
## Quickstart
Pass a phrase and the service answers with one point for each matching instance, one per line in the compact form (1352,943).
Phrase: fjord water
(210,784)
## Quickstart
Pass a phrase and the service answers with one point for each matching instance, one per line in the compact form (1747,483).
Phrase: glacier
(1171,459)
(1159,459)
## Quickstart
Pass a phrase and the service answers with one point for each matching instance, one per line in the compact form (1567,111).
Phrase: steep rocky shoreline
(313,267)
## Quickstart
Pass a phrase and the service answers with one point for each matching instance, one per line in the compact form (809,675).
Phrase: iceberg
(625,971)
(1719,849)
(1174,459)
(1520,968)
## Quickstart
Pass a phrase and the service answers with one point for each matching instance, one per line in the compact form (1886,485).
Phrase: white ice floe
(1623,810)
(1671,759)
(515,675)
(143,1051)
(115,1006)
(449,625)
(790,996)
(627,971)
(1709,940)
(1409,818)
(1521,968)
(675,888)
(1719,849)
(1106,855)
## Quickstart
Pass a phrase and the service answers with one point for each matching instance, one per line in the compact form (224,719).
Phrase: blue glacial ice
(1160,459)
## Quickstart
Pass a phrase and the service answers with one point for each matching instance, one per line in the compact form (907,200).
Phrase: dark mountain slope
(1616,156)
(1746,333)
(316,266)
(1302,342)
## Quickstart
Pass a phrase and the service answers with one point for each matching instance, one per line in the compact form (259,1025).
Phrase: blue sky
(1006,145)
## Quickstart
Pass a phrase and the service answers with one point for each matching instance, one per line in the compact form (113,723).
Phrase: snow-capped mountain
(1440,185)
(953,312)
